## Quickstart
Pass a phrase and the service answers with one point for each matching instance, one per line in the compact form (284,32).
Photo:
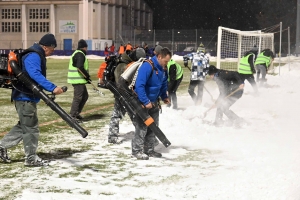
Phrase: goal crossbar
(232,44)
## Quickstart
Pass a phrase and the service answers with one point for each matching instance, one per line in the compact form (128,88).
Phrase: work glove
(88,79)
(167,101)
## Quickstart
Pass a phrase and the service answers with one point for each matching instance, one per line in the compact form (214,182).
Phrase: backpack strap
(141,60)
(136,73)
(153,68)
(25,52)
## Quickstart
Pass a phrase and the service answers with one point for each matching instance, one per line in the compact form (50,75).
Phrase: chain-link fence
(175,40)
(180,40)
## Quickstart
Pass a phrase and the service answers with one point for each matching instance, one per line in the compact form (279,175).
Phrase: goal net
(232,44)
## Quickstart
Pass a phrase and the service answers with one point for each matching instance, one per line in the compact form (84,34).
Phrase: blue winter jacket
(35,66)
(149,88)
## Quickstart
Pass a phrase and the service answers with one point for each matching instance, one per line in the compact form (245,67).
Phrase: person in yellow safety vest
(246,69)
(201,48)
(175,75)
(78,76)
(262,63)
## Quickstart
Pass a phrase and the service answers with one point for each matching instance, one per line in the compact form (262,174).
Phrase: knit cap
(81,44)
(158,48)
(48,40)
(140,53)
(212,70)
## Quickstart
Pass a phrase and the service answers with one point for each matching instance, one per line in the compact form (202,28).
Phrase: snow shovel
(209,94)
(215,104)
(94,87)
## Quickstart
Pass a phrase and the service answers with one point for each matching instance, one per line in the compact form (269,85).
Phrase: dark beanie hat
(158,48)
(212,70)
(48,40)
(137,54)
(140,53)
(82,43)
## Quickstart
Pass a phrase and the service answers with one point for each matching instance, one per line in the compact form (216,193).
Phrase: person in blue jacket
(27,129)
(151,83)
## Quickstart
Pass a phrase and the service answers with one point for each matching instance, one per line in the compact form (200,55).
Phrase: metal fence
(180,40)
(174,39)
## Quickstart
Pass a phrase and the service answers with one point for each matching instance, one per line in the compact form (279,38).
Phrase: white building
(24,22)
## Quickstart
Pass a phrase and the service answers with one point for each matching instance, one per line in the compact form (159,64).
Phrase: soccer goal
(232,44)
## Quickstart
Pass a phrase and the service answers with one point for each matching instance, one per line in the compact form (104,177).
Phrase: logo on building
(67,26)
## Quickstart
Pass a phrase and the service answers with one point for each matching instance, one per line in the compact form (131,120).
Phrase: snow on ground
(258,161)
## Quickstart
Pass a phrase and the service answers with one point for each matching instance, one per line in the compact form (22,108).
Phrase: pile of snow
(258,161)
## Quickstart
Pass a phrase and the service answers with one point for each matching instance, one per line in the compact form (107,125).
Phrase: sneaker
(75,119)
(37,162)
(141,156)
(114,140)
(154,154)
(3,155)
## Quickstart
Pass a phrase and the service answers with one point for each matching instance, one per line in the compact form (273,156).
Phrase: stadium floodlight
(232,44)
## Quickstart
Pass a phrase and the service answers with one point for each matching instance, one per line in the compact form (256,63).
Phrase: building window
(5,13)
(11,13)
(44,13)
(35,13)
(16,13)
(39,20)
(33,27)
(5,26)
(44,27)
(11,20)
(16,27)
(39,27)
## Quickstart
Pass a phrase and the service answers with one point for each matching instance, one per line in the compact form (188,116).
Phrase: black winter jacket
(78,61)
(227,81)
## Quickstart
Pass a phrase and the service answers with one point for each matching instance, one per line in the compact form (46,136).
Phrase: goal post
(232,44)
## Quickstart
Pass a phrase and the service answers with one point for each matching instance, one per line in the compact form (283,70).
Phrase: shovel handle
(215,104)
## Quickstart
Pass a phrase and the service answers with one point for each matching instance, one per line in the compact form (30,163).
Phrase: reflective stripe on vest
(262,59)
(179,70)
(75,77)
(244,66)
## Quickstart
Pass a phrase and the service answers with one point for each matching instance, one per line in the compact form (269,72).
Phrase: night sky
(209,14)
(243,15)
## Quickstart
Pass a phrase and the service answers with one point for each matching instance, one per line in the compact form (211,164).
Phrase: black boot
(154,154)
(3,155)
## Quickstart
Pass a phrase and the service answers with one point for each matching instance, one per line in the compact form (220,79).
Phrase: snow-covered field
(258,161)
